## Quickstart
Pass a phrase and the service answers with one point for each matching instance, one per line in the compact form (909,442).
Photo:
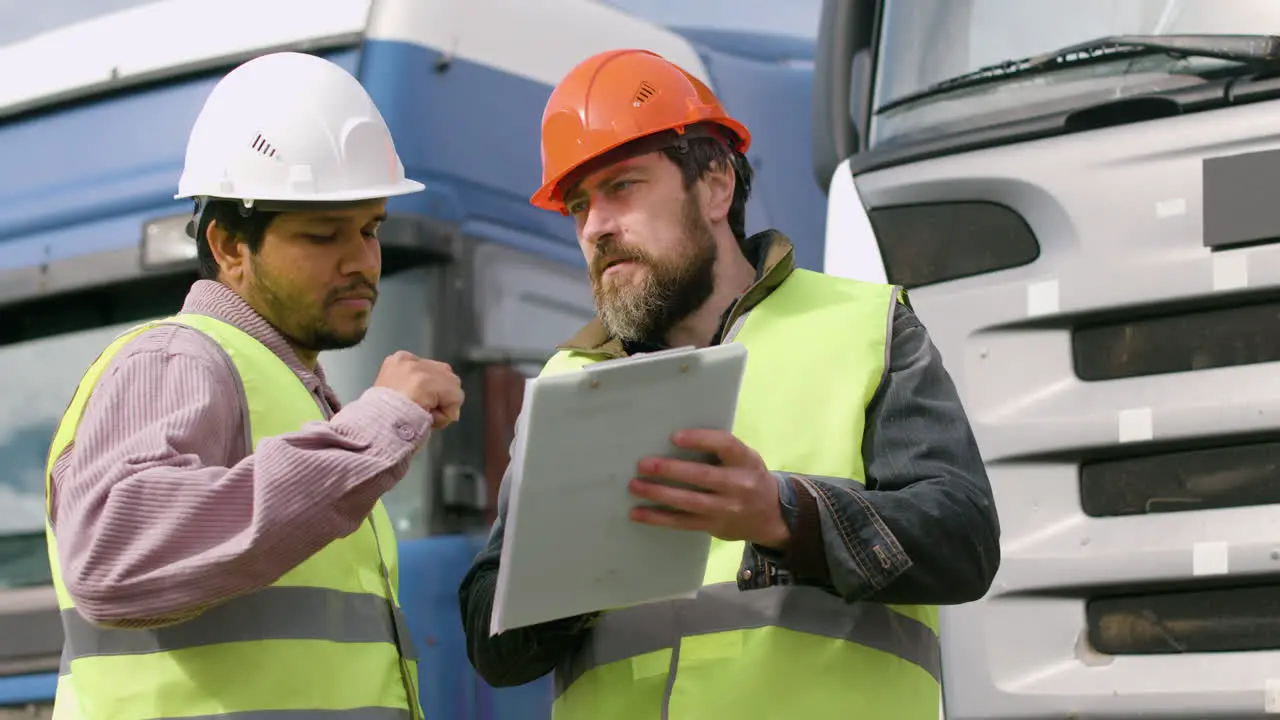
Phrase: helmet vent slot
(644,93)
(263,147)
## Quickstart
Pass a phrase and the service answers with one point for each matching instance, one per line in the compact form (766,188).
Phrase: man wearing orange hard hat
(849,501)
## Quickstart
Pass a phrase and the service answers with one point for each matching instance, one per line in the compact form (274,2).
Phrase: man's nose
(361,255)
(599,225)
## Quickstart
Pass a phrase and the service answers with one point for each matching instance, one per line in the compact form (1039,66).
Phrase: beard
(673,288)
(297,318)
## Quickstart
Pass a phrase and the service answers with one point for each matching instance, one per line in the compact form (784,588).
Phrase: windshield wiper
(1255,50)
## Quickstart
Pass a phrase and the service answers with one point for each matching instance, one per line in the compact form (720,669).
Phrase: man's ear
(231,255)
(718,183)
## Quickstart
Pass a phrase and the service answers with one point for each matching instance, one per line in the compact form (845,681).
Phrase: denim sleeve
(923,530)
(517,656)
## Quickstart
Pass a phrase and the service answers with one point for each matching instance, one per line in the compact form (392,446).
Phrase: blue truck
(94,113)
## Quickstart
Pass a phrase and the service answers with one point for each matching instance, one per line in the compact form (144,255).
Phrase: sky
(23,18)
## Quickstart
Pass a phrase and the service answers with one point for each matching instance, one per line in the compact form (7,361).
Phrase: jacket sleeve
(520,655)
(924,528)
(161,513)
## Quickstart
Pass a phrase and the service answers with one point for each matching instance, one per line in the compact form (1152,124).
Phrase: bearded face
(640,294)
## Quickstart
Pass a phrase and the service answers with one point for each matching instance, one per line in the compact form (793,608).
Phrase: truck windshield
(926,42)
(37,383)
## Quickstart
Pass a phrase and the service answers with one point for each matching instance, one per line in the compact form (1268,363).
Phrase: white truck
(1083,199)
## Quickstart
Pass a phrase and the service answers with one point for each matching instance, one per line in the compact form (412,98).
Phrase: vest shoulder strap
(567,361)
(837,283)
(245,350)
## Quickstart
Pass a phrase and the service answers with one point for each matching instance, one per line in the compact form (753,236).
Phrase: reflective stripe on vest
(817,348)
(723,607)
(275,613)
(326,640)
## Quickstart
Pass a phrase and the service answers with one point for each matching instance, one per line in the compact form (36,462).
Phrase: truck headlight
(165,243)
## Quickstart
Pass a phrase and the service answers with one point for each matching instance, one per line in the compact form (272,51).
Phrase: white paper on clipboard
(569,546)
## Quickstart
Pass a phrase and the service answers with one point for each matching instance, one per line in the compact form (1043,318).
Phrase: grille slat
(1184,342)
(1236,619)
(1241,475)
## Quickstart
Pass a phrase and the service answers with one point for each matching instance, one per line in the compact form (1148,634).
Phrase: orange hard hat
(613,98)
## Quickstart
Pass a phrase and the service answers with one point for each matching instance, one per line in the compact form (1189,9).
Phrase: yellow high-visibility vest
(817,349)
(328,636)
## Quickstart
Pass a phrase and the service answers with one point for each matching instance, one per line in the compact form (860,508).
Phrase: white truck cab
(1081,198)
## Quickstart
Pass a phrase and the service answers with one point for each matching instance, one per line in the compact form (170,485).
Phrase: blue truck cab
(94,116)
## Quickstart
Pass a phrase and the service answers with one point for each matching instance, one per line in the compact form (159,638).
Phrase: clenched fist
(431,384)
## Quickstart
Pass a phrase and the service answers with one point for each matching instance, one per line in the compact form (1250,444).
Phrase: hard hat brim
(403,187)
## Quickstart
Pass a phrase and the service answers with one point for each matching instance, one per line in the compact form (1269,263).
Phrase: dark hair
(698,156)
(249,230)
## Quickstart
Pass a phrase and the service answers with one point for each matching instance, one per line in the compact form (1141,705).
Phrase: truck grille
(1192,621)
(1237,475)
(1179,342)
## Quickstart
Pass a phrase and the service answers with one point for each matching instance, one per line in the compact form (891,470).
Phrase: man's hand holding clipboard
(734,499)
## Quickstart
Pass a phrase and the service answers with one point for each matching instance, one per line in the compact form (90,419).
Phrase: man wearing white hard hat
(218,543)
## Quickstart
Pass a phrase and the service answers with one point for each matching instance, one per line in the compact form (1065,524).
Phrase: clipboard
(569,546)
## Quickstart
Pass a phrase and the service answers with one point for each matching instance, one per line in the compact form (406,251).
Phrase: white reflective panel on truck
(86,46)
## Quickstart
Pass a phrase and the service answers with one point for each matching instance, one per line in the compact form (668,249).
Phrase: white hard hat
(291,127)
